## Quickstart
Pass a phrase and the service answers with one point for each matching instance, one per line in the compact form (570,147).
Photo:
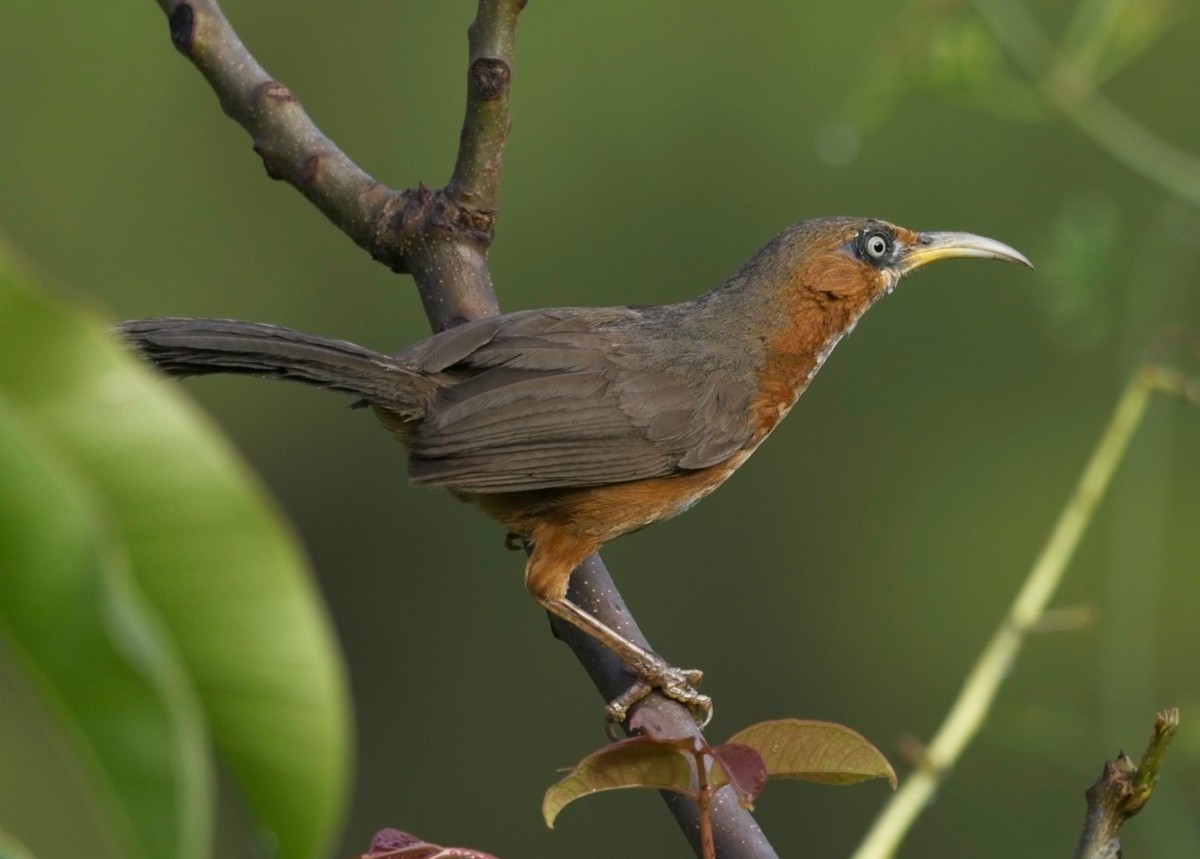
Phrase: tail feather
(196,347)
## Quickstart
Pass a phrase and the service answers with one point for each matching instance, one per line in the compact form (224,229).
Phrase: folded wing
(567,398)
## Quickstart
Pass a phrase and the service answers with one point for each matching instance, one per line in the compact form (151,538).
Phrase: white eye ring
(877,246)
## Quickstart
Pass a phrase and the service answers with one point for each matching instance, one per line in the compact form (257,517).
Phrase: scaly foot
(678,684)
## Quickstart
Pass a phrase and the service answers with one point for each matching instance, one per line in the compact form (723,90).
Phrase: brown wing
(571,397)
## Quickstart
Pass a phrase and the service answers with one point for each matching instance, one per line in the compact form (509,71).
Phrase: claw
(677,684)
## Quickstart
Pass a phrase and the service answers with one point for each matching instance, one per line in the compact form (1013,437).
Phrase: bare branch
(441,237)
(1122,791)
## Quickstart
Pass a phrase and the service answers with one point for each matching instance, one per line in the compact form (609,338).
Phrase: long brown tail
(194,347)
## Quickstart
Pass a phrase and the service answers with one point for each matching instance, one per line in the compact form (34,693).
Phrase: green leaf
(94,651)
(823,752)
(209,551)
(636,762)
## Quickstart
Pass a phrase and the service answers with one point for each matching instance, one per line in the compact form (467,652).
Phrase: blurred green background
(853,569)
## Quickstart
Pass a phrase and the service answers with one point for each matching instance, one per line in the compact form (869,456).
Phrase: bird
(572,426)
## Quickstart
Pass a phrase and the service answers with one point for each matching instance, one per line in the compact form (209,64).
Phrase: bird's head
(848,263)
(807,287)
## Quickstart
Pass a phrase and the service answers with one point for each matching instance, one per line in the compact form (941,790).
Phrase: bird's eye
(877,246)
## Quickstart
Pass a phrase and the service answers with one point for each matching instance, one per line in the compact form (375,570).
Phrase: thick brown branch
(1122,791)
(441,237)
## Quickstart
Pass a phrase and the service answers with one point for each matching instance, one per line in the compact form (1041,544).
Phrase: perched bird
(572,426)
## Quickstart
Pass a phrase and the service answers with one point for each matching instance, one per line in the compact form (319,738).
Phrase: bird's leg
(650,669)
(555,552)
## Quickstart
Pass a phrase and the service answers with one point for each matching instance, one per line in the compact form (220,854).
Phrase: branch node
(275,91)
(276,167)
(423,215)
(182,22)
(490,77)
(916,754)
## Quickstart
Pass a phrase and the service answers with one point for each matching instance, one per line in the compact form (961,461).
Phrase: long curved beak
(932,247)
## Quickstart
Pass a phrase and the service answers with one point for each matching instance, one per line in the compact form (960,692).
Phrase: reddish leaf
(392,839)
(636,762)
(742,768)
(823,752)
(394,844)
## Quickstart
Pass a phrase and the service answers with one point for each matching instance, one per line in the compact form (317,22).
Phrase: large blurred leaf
(71,611)
(210,554)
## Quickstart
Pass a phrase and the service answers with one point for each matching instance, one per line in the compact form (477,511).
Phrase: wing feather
(566,398)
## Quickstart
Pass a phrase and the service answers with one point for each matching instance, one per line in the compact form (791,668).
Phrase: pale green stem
(975,699)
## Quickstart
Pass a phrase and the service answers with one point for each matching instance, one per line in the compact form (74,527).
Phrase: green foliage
(155,599)
(96,650)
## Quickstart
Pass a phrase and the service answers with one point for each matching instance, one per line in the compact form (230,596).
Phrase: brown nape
(572,426)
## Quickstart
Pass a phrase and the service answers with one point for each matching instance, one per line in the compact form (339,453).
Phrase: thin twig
(1122,791)
(441,237)
(1106,124)
(979,689)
